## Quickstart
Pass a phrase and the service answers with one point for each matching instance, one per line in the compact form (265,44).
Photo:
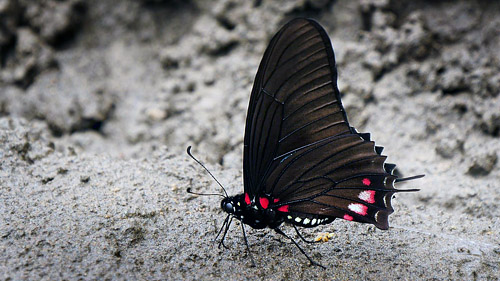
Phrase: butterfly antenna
(409,178)
(196,193)
(201,164)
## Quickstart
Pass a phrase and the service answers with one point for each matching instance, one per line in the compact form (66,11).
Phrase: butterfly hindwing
(299,147)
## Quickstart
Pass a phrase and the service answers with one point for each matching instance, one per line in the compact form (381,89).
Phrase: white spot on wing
(313,222)
(306,221)
(357,208)
(297,219)
(365,196)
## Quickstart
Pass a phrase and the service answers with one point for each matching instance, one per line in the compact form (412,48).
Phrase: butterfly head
(228,204)
(234,205)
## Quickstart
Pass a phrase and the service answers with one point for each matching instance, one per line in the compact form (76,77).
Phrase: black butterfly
(303,164)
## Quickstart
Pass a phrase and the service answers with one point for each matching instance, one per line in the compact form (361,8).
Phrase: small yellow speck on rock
(323,237)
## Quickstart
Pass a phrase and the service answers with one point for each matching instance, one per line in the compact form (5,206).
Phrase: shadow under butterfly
(303,164)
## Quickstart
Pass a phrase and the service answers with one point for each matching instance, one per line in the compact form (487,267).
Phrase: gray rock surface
(99,100)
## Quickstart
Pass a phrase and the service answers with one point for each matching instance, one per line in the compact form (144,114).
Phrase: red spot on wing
(368,196)
(264,202)
(284,208)
(367,181)
(348,218)
(276,200)
(247,199)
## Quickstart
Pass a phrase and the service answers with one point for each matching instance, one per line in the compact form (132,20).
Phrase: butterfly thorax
(249,213)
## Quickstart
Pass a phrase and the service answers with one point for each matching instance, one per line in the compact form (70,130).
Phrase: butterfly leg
(246,242)
(301,250)
(302,237)
(223,225)
(227,223)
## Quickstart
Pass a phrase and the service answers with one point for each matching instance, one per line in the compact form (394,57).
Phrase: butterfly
(303,164)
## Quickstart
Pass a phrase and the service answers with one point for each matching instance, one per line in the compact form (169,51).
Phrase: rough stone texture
(53,20)
(28,29)
(31,57)
(483,164)
(9,12)
(99,100)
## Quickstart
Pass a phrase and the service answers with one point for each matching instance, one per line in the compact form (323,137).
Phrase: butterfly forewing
(299,147)
(276,122)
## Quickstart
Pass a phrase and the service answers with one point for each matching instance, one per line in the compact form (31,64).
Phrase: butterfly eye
(227,206)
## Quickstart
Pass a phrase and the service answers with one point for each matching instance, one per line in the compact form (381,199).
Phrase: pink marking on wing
(264,202)
(247,199)
(276,200)
(348,218)
(358,208)
(368,196)
(284,208)
(367,181)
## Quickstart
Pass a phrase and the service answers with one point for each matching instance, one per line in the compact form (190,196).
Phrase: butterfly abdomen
(307,220)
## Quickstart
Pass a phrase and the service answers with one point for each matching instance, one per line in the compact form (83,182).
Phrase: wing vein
(261,147)
(310,82)
(286,47)
(298,73)
(302,155)
(267,140)
(310,123)
(309,102)
(254,134)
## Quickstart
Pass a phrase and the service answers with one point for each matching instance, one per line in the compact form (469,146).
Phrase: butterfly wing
(299,147)
(294,77)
